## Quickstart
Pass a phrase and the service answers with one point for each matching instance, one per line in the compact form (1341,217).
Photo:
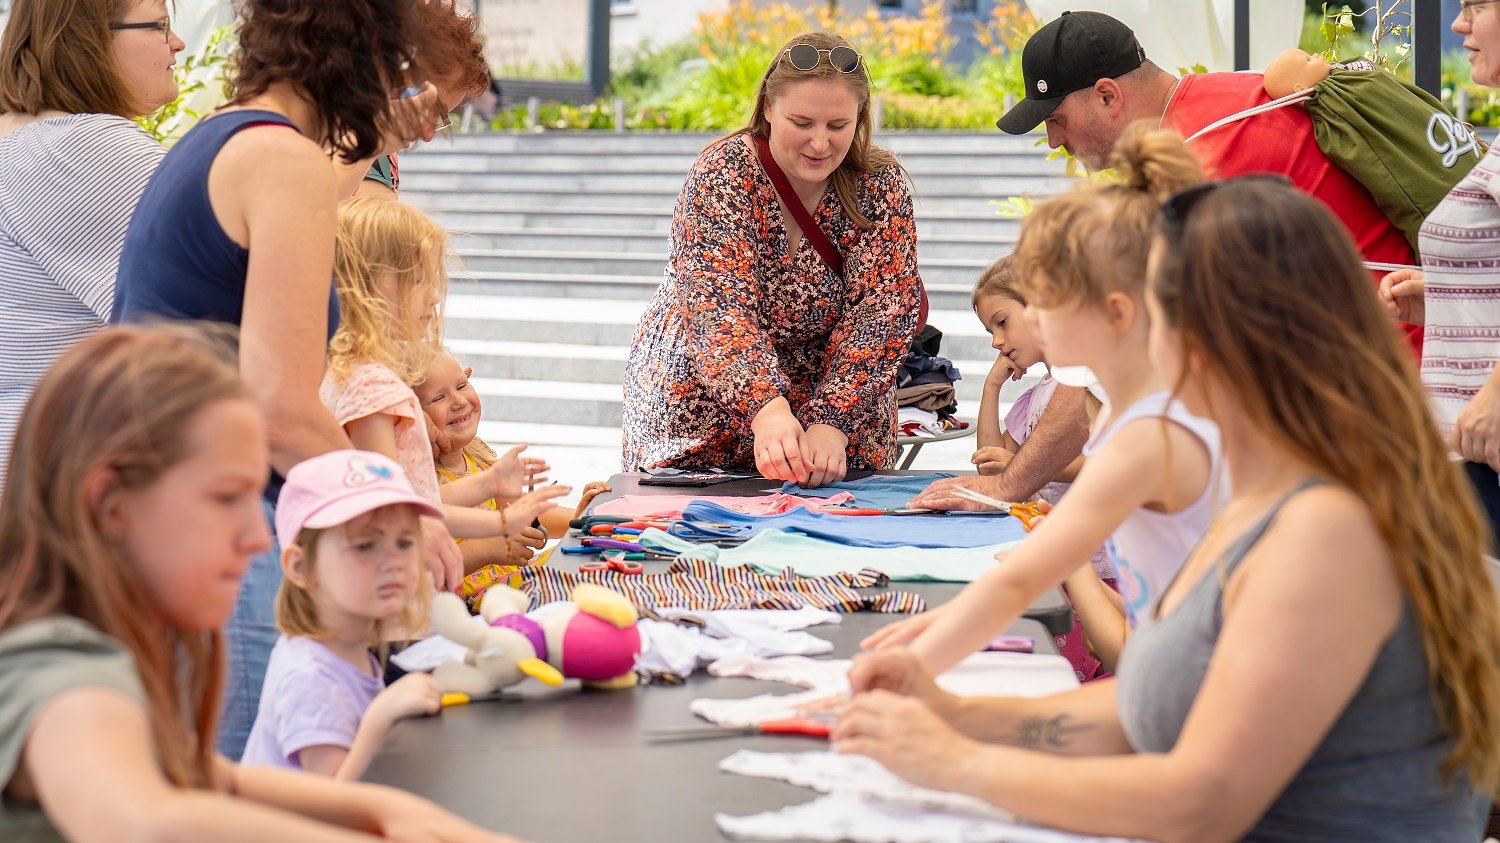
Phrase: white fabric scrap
(729,634)
(981,674)
(866,803)
(863,819)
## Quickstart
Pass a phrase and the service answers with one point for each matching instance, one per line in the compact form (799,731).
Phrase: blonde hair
(1000,278)
(121,400)
(297,611)
(863,156)
(379,240)
(1268,292)
(1094,240)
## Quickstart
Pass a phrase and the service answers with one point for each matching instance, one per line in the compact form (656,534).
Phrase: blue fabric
(969,530)
(877,492)
(177,262)
(248,639)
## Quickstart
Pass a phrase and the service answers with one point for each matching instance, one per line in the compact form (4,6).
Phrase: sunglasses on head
(1175,210)
(805,57)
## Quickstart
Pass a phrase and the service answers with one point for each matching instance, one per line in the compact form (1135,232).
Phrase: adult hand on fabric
(906,736)
(940,495)
(1476,434)
(991,460)
(778,442)
(898,671)
(1404,294)
(444,559)
(824,454)
(900,632)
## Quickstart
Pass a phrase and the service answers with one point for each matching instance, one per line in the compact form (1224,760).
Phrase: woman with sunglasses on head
(1324,666)
(72,167)
(237,226)
(771,342)
(1454,294)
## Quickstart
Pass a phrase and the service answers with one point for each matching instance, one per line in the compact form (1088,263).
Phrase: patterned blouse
(737,322)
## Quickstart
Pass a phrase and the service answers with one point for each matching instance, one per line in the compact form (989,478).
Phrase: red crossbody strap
(793,204)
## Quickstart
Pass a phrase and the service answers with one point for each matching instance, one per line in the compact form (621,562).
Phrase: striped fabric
(1460,245)
(703,585)
(68,187)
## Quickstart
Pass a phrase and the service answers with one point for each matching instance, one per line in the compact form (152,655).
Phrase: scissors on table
(612,562)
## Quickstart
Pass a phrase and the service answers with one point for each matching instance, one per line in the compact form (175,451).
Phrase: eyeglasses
(805,57)
(164,26)
(1175,210)
(1466,8)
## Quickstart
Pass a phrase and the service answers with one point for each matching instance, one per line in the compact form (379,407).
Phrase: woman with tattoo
(1324,666)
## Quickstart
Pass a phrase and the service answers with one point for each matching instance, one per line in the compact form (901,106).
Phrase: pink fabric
(595,649)
(372,389)
(1073,648)
(669,507)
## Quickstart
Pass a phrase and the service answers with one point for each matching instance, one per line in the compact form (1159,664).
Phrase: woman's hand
(904,735)
(1404,295)
(516,516)
(899,671)
(901,632)
(778,442)
(991,460)
(1476,434)
(824,454)
(444,559)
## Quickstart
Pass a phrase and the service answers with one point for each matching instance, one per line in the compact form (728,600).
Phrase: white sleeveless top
(1149,546)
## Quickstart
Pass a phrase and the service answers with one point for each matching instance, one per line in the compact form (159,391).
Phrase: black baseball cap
(1067,55)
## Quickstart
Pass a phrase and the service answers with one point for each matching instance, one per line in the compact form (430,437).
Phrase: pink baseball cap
(329,490)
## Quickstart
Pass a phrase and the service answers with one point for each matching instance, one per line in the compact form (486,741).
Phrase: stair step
(600,182)
(941,294)
(633,241)
(626,143)
(430,164)
(935,271)
(566,200)
(480,219)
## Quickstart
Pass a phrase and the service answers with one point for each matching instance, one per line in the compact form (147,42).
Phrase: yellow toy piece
(540,670)
(609,606)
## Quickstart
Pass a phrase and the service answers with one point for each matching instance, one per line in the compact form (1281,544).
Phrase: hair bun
(1154,160)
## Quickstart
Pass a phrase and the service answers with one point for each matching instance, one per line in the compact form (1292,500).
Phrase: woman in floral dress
(754,351)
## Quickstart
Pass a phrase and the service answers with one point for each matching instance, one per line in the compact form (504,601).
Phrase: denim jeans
(248,639)
(1486,485)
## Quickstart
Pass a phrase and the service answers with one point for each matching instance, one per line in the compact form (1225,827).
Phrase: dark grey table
(566,766)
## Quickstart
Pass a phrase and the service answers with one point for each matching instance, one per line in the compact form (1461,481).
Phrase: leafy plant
(193,76)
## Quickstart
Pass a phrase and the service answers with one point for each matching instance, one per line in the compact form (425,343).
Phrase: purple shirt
(311,697)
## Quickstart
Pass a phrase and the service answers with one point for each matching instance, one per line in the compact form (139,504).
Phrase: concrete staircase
(561,240)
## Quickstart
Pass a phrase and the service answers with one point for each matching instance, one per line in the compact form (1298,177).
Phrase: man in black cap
(1087,78)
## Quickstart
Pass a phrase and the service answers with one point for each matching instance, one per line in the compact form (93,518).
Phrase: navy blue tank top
(178,263)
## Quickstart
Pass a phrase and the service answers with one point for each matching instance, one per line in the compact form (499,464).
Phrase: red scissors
(612,562)
(811,726)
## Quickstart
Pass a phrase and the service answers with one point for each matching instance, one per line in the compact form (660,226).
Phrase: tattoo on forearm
(1047,733)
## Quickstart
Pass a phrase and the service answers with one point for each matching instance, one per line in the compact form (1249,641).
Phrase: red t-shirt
(1281,141)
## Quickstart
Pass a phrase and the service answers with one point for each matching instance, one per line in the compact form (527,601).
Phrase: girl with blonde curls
(129,516)
(1326,665)
(388,269)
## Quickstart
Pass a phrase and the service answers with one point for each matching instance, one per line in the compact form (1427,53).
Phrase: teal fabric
(773,551)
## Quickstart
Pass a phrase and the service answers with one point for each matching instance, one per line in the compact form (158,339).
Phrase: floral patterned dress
(737,322)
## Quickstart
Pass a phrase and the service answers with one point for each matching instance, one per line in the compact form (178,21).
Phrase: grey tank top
(1375,776)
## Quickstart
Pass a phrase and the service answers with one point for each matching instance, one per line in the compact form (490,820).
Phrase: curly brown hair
(348,58)
(449,45)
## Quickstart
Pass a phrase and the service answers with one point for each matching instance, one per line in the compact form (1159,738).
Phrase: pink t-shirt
(372,389)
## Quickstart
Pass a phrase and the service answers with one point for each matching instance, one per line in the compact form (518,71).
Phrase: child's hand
(522,547)
(590,491)
(444,559)
(991,460)
(513,473)
(519,513)
(1004,369)
(1404,294)
(441,442)
(900,632)
(413,695)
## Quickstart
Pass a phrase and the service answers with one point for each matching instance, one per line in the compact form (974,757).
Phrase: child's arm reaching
(412,695)
(1104,495)
(469,522)
(507,478)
